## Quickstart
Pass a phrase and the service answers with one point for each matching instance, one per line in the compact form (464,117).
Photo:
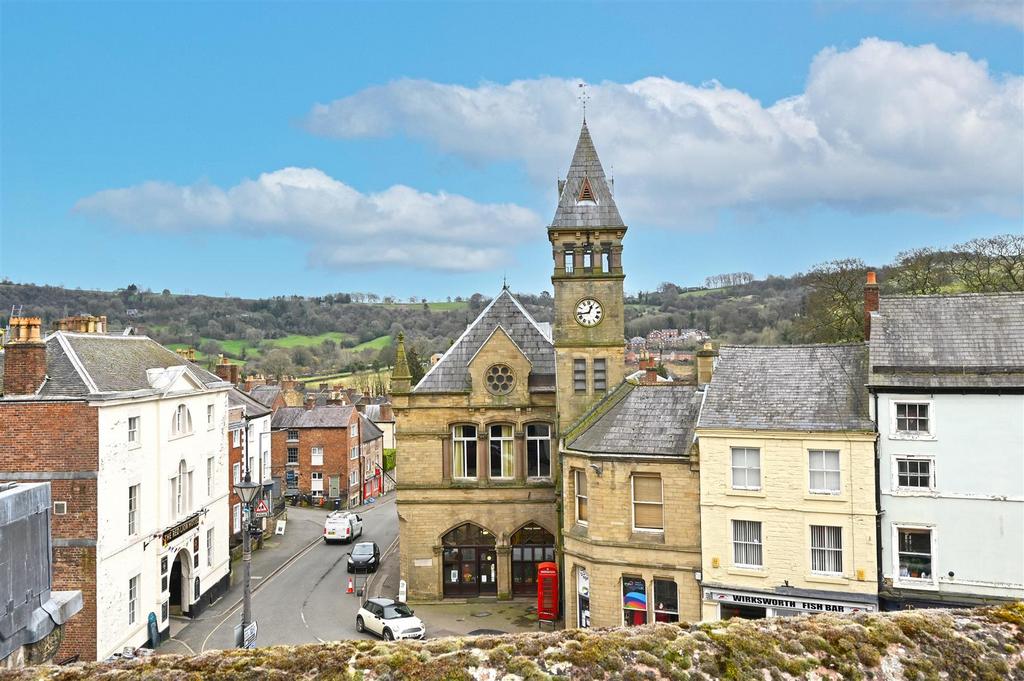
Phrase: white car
(342,526)
(389,619)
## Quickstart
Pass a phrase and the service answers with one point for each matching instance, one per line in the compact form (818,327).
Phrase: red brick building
(319,449)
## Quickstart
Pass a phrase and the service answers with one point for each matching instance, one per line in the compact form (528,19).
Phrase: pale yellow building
(787,499)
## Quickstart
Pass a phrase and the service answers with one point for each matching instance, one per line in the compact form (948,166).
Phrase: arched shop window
(469,561)
(531,546)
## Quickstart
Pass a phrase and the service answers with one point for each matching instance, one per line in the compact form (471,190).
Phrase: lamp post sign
(262,510)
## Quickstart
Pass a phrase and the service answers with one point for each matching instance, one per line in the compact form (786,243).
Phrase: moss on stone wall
(986,643)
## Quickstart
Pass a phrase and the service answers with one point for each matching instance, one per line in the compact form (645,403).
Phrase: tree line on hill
(824,304)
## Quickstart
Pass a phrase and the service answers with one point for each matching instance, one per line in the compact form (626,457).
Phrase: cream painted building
(787,497)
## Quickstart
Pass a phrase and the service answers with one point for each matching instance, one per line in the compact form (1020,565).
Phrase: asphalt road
(305,602)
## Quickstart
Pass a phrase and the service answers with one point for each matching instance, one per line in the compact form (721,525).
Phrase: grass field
(378,343)
(297,340)
(348,380)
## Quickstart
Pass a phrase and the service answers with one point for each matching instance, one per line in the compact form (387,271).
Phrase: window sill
(913,583)
(134,445)
(178,436)
(824,496)
(648,536)
(760,572)
(911,437)
(823,578)
(292,463)
(919,492)
(756,493)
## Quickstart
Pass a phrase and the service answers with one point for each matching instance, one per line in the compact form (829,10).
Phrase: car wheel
(388,636)
(360,627)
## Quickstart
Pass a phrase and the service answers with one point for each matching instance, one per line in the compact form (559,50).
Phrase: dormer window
(586,192)
(182,422)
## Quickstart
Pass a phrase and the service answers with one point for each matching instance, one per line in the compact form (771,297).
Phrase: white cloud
(883,126)
(344,228)
(1009,12)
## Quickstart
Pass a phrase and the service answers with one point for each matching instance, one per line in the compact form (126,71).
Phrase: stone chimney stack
(870,303)
(706,363)
(226,371)
(24,357)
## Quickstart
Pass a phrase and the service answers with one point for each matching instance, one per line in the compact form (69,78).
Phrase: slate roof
(265,394)
(331,416)
(451,373)
(253,408)
(571,213)
(101,365)
(370,430)
(793,387)
(379,412)
(970,340)
(640,419)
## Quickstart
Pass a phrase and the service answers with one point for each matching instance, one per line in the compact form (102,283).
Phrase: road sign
(280,526)
(262,510)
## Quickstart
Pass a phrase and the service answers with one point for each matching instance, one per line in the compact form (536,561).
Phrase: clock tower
(586,245)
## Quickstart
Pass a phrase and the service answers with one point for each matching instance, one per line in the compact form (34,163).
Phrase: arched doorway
(531,546)
(179,584)
(470,563)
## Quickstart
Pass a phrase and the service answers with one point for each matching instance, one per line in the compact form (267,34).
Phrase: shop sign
(181,528)
(785,602)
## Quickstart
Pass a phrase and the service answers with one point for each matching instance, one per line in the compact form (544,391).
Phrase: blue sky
(412,149)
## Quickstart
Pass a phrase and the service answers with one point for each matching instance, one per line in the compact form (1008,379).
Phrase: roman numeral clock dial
(588,312)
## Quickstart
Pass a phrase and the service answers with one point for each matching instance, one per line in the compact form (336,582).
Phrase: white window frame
(634,502)
(210,546)
(746,468)
(236,472)
(211,477)
(314,477)
(236,518)
(932,581)
(236,437)
(759,543)
(911,491)
(353,478)
(266,466)
(316,456)
(133,599)
(288,455)
(290,432)
(577,473)
(353,430)
(826,549)
(211,412)
(133,509)
(502,441)
(134,433)
(825,471)
(538,439)
(456,438)
(180,490)
(181,421)
(353,453)
(896,434)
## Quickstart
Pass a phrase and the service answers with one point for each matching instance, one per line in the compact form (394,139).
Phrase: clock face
(588,312)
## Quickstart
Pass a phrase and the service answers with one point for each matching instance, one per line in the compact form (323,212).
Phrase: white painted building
(947,379)
(161,521)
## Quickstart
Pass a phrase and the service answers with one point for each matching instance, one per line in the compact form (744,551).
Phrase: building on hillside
(249,451)
(372,454)
(628,561)
(319,450)
(132,439)
(32,613)
(383,416)
(947,382)
(787,500)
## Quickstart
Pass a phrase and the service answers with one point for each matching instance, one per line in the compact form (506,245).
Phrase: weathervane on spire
(584,98)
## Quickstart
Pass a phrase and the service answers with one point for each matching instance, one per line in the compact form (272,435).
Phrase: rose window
(500,379)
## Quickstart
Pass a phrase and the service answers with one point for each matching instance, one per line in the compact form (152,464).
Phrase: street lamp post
(246,491)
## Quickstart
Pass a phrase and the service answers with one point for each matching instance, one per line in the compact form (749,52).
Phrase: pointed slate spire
(578,208)
(401,377)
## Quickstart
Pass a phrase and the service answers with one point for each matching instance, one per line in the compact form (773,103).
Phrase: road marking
(370,580)
(284,566)
(184,644)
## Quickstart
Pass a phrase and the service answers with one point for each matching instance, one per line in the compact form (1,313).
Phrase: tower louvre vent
(586,192)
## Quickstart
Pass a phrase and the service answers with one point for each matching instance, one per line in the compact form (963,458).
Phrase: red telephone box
(547,591)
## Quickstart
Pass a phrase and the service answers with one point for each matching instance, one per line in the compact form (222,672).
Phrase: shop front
(469,562)
(531,546)
(748,604)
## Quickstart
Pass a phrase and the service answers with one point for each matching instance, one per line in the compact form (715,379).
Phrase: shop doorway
(470,562)
(531,546)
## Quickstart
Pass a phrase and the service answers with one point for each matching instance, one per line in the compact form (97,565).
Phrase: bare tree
(834,307)
(993,263)
(921,271)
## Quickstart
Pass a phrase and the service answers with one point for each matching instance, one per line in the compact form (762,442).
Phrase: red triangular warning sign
(262,507)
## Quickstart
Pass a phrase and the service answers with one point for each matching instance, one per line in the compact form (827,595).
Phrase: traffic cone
(350,590)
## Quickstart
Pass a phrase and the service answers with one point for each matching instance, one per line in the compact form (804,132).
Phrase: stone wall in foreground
(987,643)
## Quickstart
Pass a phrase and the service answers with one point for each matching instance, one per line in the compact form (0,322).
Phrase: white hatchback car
(389,619)
(342,526)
